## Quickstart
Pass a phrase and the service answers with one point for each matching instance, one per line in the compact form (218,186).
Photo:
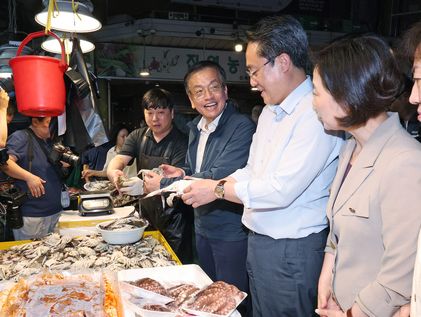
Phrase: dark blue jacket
(227,149)
(50,203)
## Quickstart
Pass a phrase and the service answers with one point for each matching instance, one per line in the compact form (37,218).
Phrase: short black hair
(281,34)
(202,65)
(157,98)
(361,74)
(411,42)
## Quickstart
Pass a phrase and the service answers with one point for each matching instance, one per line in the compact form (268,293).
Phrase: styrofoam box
(169,276)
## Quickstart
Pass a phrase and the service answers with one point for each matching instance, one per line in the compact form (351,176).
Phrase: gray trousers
(284,273)
(36,227)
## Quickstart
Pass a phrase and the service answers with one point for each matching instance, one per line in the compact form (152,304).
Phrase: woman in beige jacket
(374,206)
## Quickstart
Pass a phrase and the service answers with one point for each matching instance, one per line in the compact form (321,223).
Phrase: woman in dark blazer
(374,206)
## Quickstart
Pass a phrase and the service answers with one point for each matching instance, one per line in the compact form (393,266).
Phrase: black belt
(255,233)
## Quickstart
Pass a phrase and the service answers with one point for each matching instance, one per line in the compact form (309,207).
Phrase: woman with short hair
(375,198)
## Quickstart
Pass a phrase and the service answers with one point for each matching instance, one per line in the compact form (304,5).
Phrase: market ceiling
(127,13)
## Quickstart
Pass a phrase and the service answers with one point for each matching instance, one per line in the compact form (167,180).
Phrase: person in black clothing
(160,142)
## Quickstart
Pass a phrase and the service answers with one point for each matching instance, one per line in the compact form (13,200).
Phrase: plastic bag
(175,224)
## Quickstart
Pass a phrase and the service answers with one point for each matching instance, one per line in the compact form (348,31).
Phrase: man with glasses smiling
(285,184)
(219,143)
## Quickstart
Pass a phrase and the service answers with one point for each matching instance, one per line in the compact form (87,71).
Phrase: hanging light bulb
(66,18)
(51,44)
(238,47)
(144,72)
(238,43)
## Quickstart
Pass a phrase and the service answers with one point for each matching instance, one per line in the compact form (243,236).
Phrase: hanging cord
(53,11)
(12,17)
(51,5)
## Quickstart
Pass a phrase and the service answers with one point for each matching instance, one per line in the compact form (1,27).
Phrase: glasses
(200,92)
(254,73)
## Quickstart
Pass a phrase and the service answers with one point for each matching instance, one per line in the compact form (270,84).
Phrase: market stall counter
(75,253)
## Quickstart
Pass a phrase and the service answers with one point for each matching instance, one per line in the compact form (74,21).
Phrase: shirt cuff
(241,191)
(374,301)
(240,175)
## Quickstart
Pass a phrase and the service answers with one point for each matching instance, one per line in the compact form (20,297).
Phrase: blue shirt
(285,184)
(50,203)
(95,157)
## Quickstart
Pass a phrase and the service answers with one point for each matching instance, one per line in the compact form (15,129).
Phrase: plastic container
(39,81)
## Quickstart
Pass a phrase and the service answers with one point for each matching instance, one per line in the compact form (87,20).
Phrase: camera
(7,85)
(63,153)
(10,202)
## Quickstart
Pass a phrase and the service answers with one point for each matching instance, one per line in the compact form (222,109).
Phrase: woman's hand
(36,186)
(324,291)
(330,312)
(404,311)
(87,174)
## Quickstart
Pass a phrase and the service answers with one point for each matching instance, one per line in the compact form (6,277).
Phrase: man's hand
(133,186)
(171,171)
(200,192)
(35,186)
(113,176)
(152,181)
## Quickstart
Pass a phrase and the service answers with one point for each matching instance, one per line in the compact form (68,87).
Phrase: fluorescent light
(64,19)
(53,46)
(144,72)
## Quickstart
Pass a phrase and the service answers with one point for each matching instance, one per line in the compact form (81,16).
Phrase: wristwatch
(219,189)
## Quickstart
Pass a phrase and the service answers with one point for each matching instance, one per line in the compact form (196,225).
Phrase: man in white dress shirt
(285,184)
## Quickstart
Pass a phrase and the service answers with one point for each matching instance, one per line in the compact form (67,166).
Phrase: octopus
(156,307)
(218,298)
(151,285)
(181,293)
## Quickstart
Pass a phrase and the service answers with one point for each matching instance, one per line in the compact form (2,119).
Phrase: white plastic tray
(169,276)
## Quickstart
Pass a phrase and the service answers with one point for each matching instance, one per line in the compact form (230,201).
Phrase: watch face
(219,190)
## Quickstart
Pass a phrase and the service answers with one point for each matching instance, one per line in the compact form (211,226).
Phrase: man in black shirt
(160,142)
(157,143)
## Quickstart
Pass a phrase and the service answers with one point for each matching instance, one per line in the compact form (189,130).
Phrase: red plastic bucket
(39,81)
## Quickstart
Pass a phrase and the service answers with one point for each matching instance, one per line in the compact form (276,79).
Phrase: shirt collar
(211,126)
(287,106)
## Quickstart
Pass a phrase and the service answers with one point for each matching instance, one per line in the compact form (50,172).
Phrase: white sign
(164,63)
